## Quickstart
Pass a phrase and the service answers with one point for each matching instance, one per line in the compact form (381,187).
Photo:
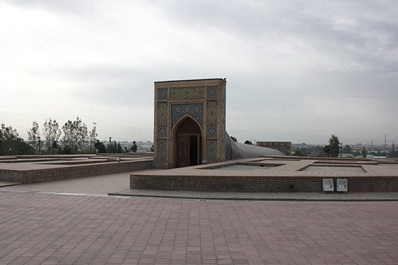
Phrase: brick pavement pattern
(38,228)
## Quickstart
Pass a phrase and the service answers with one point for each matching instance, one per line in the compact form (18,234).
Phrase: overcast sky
(296,70)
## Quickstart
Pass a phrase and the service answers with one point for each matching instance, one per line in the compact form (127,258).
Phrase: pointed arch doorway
(188,143)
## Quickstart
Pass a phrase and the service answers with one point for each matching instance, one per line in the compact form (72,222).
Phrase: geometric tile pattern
(212,91)
(211,131)
(162,93)
(223,105)
(162,113)
(211,111)
(162,131)
(211,147)
(187,93)
(195,110)
(162,150)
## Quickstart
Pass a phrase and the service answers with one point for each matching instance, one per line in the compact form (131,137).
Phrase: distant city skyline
(296,71)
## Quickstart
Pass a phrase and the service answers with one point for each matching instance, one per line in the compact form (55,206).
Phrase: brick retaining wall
(258,184)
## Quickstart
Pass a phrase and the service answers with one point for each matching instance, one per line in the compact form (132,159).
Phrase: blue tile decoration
(179,93)
(162,113)
(211,111)
(162,93)
(211,146)
(212,91)
(211,131)
(162,131)
(195,110)
(162,150)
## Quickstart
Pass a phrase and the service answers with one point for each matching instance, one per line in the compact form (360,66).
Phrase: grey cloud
(113,86)
(288,64)
(61,7)
(310,22)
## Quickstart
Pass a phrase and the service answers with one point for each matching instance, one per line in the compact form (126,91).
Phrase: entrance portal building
(189,122)
(190,125)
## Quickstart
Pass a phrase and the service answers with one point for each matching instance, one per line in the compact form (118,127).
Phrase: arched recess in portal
(187,143)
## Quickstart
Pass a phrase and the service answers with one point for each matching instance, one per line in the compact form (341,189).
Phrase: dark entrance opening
(188,151)
(193,152)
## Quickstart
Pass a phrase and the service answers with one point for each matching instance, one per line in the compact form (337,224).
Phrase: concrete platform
(33,169)
(273,174)
(116,184)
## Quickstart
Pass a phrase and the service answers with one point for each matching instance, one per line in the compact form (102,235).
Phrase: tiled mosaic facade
(201,100)
(211,131)
(211,146)
(178,93)
(194,110)
(162,113)
(162,150)
(211,111)
(163,94)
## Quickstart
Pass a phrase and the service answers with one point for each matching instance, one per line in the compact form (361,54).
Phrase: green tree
(55,145)
(11,143)
(111,147)
(364,152)
(51,133)
(100,147)
(93,137)
(347,149)
(75,135)
(333,148)
(297,153)
(326,149)
(134,147)
(301,152)
(119,148)
(114,147)
(34,135)
(65,150)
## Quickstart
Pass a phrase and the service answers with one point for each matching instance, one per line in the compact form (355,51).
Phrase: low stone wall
(258,184)
(76,171)
(372,184)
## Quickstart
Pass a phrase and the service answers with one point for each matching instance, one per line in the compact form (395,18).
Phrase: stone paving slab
(38,228)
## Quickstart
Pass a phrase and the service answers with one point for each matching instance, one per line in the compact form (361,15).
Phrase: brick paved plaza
(39,227)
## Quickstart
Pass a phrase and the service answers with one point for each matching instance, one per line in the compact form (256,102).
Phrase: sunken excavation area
(274,174)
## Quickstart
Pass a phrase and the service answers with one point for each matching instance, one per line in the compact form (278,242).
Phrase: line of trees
(71,138)
(333,149)
(11,143)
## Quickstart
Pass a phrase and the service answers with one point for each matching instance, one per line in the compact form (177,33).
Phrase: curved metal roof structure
(240,151)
